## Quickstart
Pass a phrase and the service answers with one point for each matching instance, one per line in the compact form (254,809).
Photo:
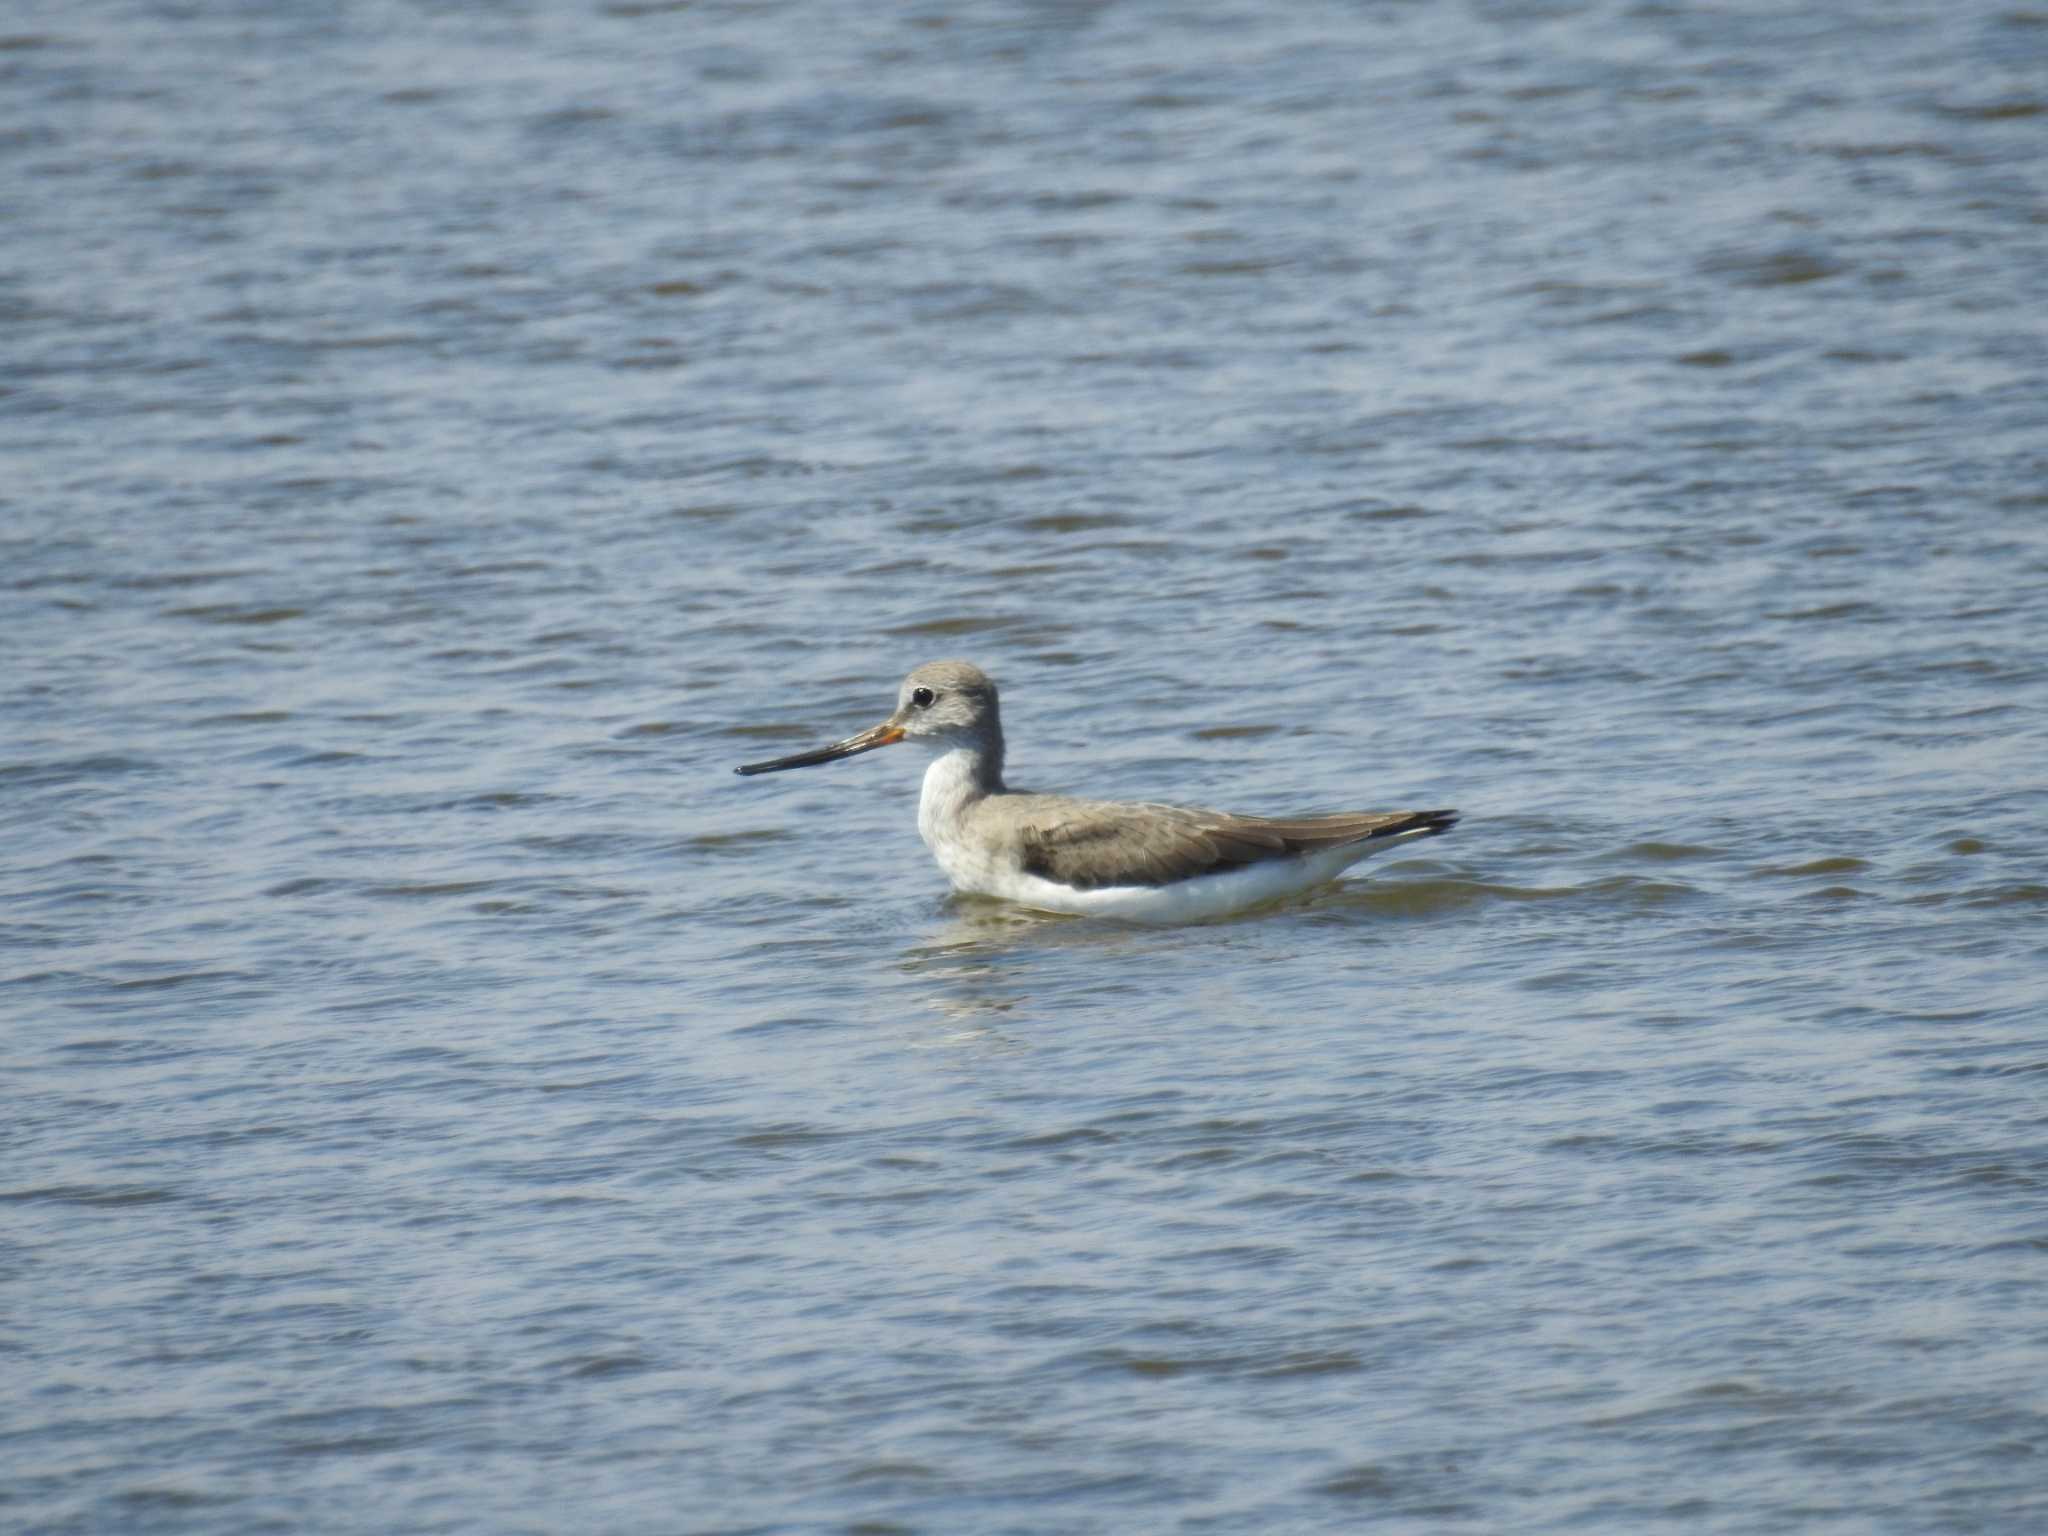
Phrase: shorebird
(1105,858)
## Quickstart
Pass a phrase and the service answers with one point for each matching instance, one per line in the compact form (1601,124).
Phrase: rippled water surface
(440,441)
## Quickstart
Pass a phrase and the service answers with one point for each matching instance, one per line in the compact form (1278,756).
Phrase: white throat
(951,784)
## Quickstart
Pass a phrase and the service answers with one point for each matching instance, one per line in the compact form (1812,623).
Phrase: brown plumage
(1091,844)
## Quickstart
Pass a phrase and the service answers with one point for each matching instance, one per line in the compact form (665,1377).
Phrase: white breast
(950,786)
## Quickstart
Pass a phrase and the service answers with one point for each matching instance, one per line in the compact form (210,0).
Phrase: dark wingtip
(1429,823)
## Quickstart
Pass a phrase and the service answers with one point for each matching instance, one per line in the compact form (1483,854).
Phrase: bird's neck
(957,778)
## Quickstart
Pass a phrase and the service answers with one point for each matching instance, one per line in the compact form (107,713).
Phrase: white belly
(1183,901)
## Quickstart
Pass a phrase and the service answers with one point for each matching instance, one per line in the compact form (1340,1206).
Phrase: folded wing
(1089,845)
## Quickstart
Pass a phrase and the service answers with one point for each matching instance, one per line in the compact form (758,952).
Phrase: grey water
(439,441)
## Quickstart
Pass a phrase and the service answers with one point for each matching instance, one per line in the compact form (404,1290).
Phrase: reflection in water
(985,927)
(981,963)
(984,960)
(961,971)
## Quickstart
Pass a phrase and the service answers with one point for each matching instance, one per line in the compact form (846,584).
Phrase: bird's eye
(922,697)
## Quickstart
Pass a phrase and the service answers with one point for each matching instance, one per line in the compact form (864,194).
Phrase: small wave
(90,1194)
(1662,853)
(98,765)
(1838,864)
